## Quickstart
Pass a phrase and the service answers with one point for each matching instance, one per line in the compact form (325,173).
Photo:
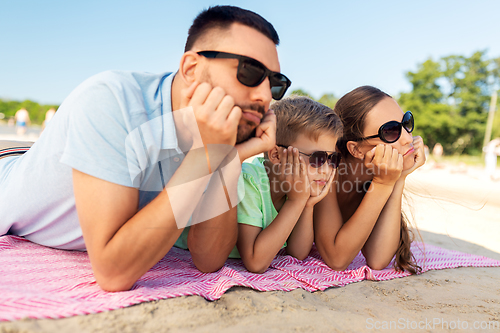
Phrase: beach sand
(454,208)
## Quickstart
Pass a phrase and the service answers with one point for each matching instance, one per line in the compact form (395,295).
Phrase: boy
(282,188)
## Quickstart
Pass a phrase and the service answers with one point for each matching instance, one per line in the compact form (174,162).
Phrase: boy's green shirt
(256,207)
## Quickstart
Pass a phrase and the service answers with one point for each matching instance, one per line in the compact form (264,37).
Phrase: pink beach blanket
(40,282)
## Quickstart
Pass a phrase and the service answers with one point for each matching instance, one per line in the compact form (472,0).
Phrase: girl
(364,211)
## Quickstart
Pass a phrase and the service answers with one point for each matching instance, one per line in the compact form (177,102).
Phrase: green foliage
(35,110)
(450,100)
(300,92)
(327,99)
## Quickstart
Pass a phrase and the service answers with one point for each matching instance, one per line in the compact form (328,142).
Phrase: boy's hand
(418,145)
(264,140)
(314,200)
(386,164)
(293,175)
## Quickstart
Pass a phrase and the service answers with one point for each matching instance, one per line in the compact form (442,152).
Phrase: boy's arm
(302,236)
(259,246)
(299,243)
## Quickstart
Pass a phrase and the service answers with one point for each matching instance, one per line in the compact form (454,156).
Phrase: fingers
(200,94)
(283,155)
(326,188)
(187,94)
(289,162)
(296,164)
(267,125)
(234,116)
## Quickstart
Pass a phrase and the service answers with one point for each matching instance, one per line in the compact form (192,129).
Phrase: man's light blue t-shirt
(116,126)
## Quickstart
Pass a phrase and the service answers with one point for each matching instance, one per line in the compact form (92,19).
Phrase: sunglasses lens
(318,158)
(250,73)
(334,160)
(279,85)
(408,122)
(390,132)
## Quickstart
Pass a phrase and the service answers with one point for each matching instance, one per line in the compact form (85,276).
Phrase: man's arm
(211,242)
(124,243)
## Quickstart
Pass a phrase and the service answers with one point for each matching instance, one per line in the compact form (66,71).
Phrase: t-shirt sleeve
(97,133)
(250,207)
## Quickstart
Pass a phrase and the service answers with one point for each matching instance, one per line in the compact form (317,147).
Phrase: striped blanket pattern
(40,282)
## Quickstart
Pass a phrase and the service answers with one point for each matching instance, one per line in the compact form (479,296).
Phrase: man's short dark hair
(222,17)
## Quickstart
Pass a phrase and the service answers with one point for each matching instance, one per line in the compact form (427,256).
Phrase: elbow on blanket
(114,284)
(256,268)
(377,264)
(337,264)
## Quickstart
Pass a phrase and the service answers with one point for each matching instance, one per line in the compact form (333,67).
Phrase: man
(124,173)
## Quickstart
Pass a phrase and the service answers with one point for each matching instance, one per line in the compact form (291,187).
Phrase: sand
(465,218)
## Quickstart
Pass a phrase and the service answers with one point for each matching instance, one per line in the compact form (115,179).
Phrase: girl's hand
(293,175)
(385,163)
(418,145)
(314,200)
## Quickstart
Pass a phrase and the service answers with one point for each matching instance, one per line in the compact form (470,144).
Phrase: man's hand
(386,163)
(216,115)
(293,175)
(418,145)
(264,140)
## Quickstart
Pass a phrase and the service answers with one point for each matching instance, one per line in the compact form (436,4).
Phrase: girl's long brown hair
(352,109)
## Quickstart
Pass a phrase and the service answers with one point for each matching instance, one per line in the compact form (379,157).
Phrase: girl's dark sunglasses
(391,131)
(318,158)
(251,72)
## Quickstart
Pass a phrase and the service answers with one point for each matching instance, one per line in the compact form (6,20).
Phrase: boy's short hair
(221,17)
(301,115)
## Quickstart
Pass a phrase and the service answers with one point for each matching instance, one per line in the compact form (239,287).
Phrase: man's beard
(246,129)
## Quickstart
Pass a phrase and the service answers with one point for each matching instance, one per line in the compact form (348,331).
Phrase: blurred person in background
(48,116)
(492,150)
(22,119)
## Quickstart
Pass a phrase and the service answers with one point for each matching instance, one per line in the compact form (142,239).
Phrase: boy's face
(317,176)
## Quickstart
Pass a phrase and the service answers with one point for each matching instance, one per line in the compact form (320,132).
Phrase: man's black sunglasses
(251,72)
(318,158)
(391,131)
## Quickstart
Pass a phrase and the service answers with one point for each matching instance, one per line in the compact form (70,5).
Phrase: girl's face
(387,110)
(318,177)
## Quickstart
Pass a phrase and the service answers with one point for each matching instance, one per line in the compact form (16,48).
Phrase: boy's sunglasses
(318,158)
(251,72)
(391,131)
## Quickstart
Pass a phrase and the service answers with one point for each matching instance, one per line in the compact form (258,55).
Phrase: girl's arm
(384,239)
(257,246)
(302,237)
(338,242)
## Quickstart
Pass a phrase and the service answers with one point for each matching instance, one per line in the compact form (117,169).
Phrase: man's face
(253,101)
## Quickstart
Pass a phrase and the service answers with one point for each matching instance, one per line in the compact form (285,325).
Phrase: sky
(49,47)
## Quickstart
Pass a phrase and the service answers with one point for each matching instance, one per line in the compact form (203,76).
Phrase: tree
(300,92)
(450,100)
(35,110)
